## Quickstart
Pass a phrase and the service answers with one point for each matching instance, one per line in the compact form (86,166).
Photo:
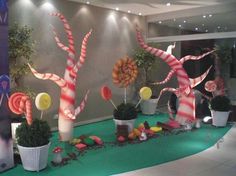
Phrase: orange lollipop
(106,95)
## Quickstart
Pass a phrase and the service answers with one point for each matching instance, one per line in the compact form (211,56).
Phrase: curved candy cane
(67,30)
(190,57)
(49,76)
(168,77)
(187,98)
(194,82)
(82,57)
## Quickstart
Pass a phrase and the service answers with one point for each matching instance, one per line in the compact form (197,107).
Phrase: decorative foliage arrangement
(220,103)
(21,48)
(67,109)
(34,135)
(125,112)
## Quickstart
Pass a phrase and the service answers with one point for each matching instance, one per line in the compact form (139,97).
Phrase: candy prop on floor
(186,109)
(4,87)
(107,94)
(43,102)
(67,110)
(145,93)
(20,103)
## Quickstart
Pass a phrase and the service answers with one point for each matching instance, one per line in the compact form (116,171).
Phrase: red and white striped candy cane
(187,99)
(194,82)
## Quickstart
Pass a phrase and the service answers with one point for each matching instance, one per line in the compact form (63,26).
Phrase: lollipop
(124,72)
(43,102)
(210,86)
(145,93)
(106,95)
(20,103)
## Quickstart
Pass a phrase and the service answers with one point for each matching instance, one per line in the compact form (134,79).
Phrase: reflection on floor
(218,160)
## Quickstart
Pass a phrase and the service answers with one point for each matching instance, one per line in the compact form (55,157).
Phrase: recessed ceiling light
(210,15)
(174,19)
(204,16)
(117,9)
(206,30)
(180,25)
(218,27)
(203,24)
(185,21)
(87,2)
(160,22)
(196,28)
(129,11)
(168,4)
(139,14)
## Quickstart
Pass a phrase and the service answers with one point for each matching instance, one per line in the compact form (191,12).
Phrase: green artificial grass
(114,159)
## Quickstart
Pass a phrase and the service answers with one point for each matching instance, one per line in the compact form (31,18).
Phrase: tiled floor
(215,161)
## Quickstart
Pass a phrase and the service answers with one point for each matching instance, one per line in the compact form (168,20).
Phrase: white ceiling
(192,11)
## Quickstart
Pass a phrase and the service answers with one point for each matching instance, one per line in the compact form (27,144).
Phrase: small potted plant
(33,144)
(125,114)
(220,109)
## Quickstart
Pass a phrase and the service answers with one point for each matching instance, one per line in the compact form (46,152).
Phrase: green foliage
(35,135)
(125,112)
(21,48)
(224,53)
(220,103)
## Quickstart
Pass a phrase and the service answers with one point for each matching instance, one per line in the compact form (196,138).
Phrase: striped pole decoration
(186,110)
(67,110)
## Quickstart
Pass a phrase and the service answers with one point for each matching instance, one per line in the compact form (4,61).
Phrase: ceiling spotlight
(196,29)
(129,11)
(203,24)
(185,21)
(210,15)
(87,2)
(117,9)
(206,30)
(168,4)
(160,22)
(139,14)
(180,25)
(218,27)
(204,16)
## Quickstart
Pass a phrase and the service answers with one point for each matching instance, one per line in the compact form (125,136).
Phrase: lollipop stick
(1,99)
(125,96)
(138,103)
(113,104)
(41,116)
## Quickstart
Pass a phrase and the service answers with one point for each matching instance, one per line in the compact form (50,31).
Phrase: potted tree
(125,114)
(220,109)
(145,61)
(33,144)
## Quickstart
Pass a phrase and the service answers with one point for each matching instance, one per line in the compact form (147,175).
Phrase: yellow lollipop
(43,102)
(145,93)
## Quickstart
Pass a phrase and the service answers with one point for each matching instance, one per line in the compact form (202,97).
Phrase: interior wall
(113,37)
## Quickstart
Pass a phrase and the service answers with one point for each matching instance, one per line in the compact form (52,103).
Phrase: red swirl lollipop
(20,103)
(210,86)
(107,94)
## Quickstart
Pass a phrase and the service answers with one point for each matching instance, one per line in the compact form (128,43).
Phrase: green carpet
(117,159)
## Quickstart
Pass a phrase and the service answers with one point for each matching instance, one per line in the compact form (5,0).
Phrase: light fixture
(210,15)
(48,6)
(87,2)
(196,28)
(203,24)
(204,16)
(185,21)
(160,22)
(139,14)
(168,4)
(218,27)
(206,30)
(180,25)
(129,11)
(174,19)
(117,9)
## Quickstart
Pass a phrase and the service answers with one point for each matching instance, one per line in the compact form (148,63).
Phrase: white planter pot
(129,123)
(149,106)
(219,118)
(34,158)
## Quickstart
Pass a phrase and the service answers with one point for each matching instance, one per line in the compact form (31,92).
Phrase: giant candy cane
(186,109)
(67,110)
